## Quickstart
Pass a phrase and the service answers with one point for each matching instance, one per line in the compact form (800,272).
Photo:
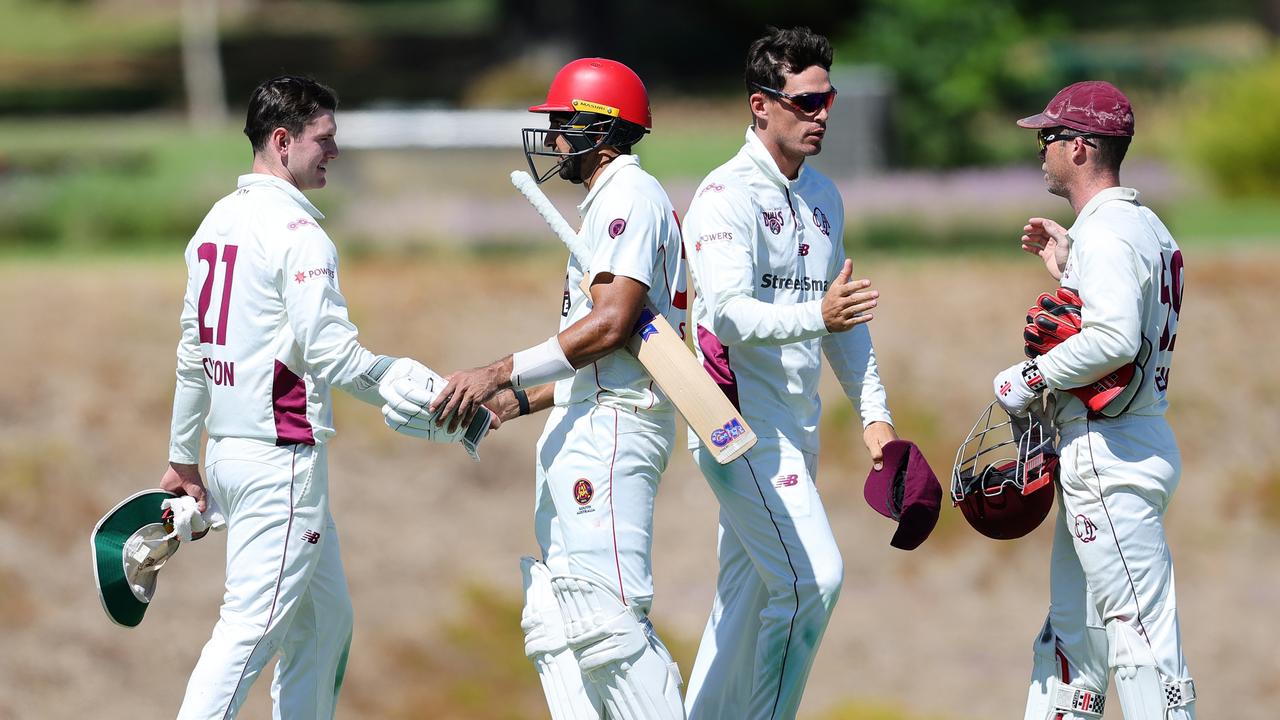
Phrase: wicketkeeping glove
(1018,386)
(1054,318)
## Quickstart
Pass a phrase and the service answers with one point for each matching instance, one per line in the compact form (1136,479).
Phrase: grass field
(431,541)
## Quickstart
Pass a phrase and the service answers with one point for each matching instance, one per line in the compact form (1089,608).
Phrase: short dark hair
(287,101)
(787,51)
(1111,150)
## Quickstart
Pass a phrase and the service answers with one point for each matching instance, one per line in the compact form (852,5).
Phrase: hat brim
(878,489)
(132,515)
(1042,121)
(1039,121)
(550,108)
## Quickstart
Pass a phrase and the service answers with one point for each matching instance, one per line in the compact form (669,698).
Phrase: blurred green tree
(1233,131)
(952,63)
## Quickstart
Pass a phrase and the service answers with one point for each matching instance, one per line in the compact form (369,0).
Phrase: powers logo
(304,275)
(583,492)
(301,222)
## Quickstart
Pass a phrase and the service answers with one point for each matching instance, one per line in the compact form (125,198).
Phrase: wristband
(522,399)
(540,364)
(1031,375)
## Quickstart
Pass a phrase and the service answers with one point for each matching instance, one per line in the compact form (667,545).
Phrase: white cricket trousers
(286,590)
(1110,561)
(780,576)
(598,470)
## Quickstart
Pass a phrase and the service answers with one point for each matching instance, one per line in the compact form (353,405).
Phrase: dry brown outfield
(431,540)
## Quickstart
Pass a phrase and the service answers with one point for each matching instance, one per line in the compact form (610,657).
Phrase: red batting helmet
(607,105)
(1005,493)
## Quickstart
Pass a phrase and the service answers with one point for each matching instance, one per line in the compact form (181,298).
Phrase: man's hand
(848,302)
(1049,240)
(183,479)
(466,390)
(876,436)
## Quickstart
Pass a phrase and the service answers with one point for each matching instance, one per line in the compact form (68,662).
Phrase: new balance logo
(786,481)
(311,536)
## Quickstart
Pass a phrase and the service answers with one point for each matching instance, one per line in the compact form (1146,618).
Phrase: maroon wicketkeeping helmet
(1004,474)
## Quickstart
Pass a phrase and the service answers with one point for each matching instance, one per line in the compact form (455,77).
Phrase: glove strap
(1073,699)
(378,369)
(1032,376)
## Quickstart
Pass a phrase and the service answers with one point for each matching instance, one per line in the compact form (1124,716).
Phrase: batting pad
(130,544)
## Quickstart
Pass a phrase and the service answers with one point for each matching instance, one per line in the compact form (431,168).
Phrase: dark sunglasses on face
(1048,138)
(808,103)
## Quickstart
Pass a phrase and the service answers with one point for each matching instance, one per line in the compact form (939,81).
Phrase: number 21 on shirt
(208,253)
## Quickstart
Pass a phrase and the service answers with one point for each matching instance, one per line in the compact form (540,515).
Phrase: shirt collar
(283,185)
(760,157)
(1112,193)
(616,164)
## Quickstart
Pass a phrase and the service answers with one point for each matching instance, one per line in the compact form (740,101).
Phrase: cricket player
(1112,603)
(265,336)
(611,431)
(773,295)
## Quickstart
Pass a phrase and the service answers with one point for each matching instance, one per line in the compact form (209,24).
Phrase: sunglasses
(808,103)
(1048,138)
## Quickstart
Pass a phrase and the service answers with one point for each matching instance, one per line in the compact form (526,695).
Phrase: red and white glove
(1054,318)
(1018,386)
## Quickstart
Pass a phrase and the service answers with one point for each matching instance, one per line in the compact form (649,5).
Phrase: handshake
(406,388)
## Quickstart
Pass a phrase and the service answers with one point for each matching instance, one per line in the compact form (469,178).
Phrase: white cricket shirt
(1127,270)
(630,228)
(763,250)
(265,331)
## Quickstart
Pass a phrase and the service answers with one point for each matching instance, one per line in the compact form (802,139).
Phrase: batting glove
(1018,386)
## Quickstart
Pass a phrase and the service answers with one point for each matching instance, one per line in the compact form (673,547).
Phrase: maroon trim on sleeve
(289,403)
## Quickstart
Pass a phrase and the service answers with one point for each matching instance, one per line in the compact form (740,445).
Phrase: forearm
(853,361)
(190,406)
(1085,357)
(742,320)
(541,398)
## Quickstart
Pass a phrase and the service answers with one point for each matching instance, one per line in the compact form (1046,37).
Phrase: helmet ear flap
(624,134)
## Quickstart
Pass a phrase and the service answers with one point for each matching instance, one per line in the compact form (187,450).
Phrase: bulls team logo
(820,219)
(773,219)
(616,227)
(1086,531)
(583,492)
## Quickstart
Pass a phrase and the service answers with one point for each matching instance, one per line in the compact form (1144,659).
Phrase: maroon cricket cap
(1092,106)
(905,489)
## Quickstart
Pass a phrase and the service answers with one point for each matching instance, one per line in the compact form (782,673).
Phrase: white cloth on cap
(188,522)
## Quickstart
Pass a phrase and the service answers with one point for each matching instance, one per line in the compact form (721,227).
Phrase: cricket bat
(662,352)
